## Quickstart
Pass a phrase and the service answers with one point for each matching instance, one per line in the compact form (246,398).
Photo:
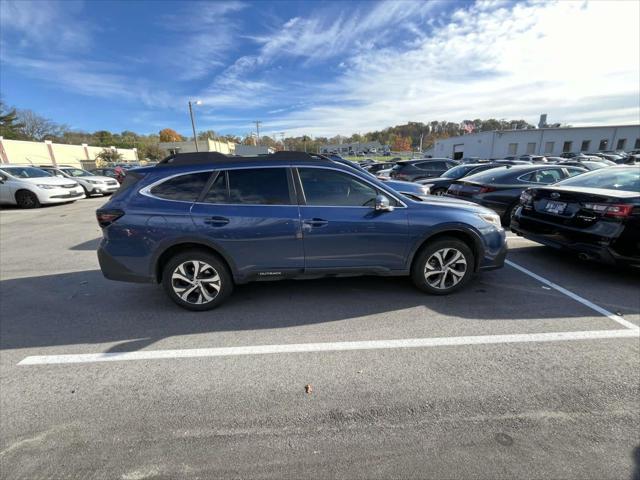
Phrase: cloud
(49,26)
(490,61)
(206,40)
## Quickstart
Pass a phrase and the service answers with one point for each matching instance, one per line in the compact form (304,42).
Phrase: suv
(413,170)
(200,223)
(90,182)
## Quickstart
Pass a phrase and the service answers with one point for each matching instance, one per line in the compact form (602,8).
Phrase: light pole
(193,123)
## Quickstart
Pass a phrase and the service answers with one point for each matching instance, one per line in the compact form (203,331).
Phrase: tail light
(526,199)
(486,189)
(107,217)
(616,211)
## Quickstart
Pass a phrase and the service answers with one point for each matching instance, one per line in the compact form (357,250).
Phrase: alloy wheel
(196,282)
(445,268)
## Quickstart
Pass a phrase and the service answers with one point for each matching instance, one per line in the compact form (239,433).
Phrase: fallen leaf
(308,388)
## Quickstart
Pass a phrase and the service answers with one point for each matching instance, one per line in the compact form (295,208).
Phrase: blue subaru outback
(200,223)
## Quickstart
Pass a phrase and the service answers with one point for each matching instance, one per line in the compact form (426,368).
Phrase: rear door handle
(216,221)
(316,222)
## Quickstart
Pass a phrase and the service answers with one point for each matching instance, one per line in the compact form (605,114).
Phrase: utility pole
(284,145)
(193,123)
(258,123)
(421,135)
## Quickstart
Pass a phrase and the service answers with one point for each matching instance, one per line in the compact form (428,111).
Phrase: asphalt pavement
(510,378)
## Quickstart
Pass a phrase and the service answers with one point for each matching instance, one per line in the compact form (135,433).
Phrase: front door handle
(216,221)
(316,222)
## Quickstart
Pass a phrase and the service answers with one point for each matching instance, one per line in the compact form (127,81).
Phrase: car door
(340,226)
(6,192)
(252,215)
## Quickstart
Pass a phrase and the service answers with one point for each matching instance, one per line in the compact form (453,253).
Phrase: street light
(193,123)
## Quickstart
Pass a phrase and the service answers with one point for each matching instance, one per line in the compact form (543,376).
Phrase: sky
(319,68)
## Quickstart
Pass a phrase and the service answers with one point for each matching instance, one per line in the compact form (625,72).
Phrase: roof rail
(198,158)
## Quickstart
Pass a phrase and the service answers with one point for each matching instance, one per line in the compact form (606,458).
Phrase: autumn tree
(169,135)
(10,126)
(401,144)
(108,155)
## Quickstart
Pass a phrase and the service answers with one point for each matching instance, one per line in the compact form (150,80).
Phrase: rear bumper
(596,251)
(115,270)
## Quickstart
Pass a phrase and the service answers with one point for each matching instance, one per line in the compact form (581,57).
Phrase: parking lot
(530,372)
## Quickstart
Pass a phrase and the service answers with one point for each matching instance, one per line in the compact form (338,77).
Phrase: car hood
(400,186)
(451,202)
(47,181)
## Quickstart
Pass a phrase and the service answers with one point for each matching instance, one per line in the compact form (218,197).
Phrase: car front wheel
(443,267)
(197,280)
(27,199)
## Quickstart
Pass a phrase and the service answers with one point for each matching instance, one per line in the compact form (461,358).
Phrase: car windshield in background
(25,172)
(627,179)
(77,172)
(457,172)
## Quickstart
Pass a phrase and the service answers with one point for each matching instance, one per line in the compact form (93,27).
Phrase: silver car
(92,184)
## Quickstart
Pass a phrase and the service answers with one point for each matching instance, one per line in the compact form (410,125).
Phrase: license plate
(555,207)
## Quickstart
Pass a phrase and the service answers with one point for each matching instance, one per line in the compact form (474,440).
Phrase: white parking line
(577,298)
(327,347)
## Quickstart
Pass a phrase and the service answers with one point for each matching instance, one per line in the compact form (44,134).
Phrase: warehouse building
(539,141)
(353,148)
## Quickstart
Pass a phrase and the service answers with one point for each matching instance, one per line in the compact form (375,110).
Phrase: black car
(439,185)
(376,167)
(413,170)
(588,164)
(500,188)
(596,215)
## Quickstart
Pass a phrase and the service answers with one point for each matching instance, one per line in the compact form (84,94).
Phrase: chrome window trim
(146,191)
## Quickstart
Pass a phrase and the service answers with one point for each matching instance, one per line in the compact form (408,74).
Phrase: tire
(184,292)
(439,191)
(86,192)
(429,261)
(506,216)
(27,199)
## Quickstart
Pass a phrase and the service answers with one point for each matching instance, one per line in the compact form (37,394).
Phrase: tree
(169,135)
(108,155)
(38,128)
(151,152)
(401,144)
(10,126)
(205,135)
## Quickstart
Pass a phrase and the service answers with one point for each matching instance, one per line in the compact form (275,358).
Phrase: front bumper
(104,188)
(60,195)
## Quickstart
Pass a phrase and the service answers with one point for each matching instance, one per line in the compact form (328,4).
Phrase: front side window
(251,186)
(185,188)
(335,189)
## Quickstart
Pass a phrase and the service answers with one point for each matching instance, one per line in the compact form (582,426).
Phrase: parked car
(30,187)
(377,166)
(506,161)
(533,158)
(412,170)
(439,185)
(500,188)
(596,215)
(607,156)
(588,164)
(384,174)
(114,172)
(92,184)
(179,224)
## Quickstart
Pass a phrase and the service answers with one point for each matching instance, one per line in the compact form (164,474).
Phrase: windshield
(25,172)
(627,179)
(457,172)
(77,172)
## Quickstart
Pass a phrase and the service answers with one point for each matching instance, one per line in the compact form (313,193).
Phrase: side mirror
(383,204)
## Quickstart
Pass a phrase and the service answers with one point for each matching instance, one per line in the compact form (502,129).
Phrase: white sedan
(29,187)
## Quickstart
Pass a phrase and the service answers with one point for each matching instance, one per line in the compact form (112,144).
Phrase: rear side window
(185,188)
(543,176)
(251,186)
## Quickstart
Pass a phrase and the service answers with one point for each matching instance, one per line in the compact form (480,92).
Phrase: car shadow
(84,308)
(88,245)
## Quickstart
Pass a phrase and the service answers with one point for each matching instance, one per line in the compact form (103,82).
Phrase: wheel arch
(471,238)
(184,245)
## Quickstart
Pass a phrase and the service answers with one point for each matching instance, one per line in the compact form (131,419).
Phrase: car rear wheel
(443,267)
(197,280)
(27,199)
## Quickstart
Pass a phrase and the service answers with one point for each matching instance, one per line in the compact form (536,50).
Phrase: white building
(540,141)
(352,148)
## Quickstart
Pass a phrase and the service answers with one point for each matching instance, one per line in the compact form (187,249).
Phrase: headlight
(48,187)
(95,182)
(426,189)
(491,218)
